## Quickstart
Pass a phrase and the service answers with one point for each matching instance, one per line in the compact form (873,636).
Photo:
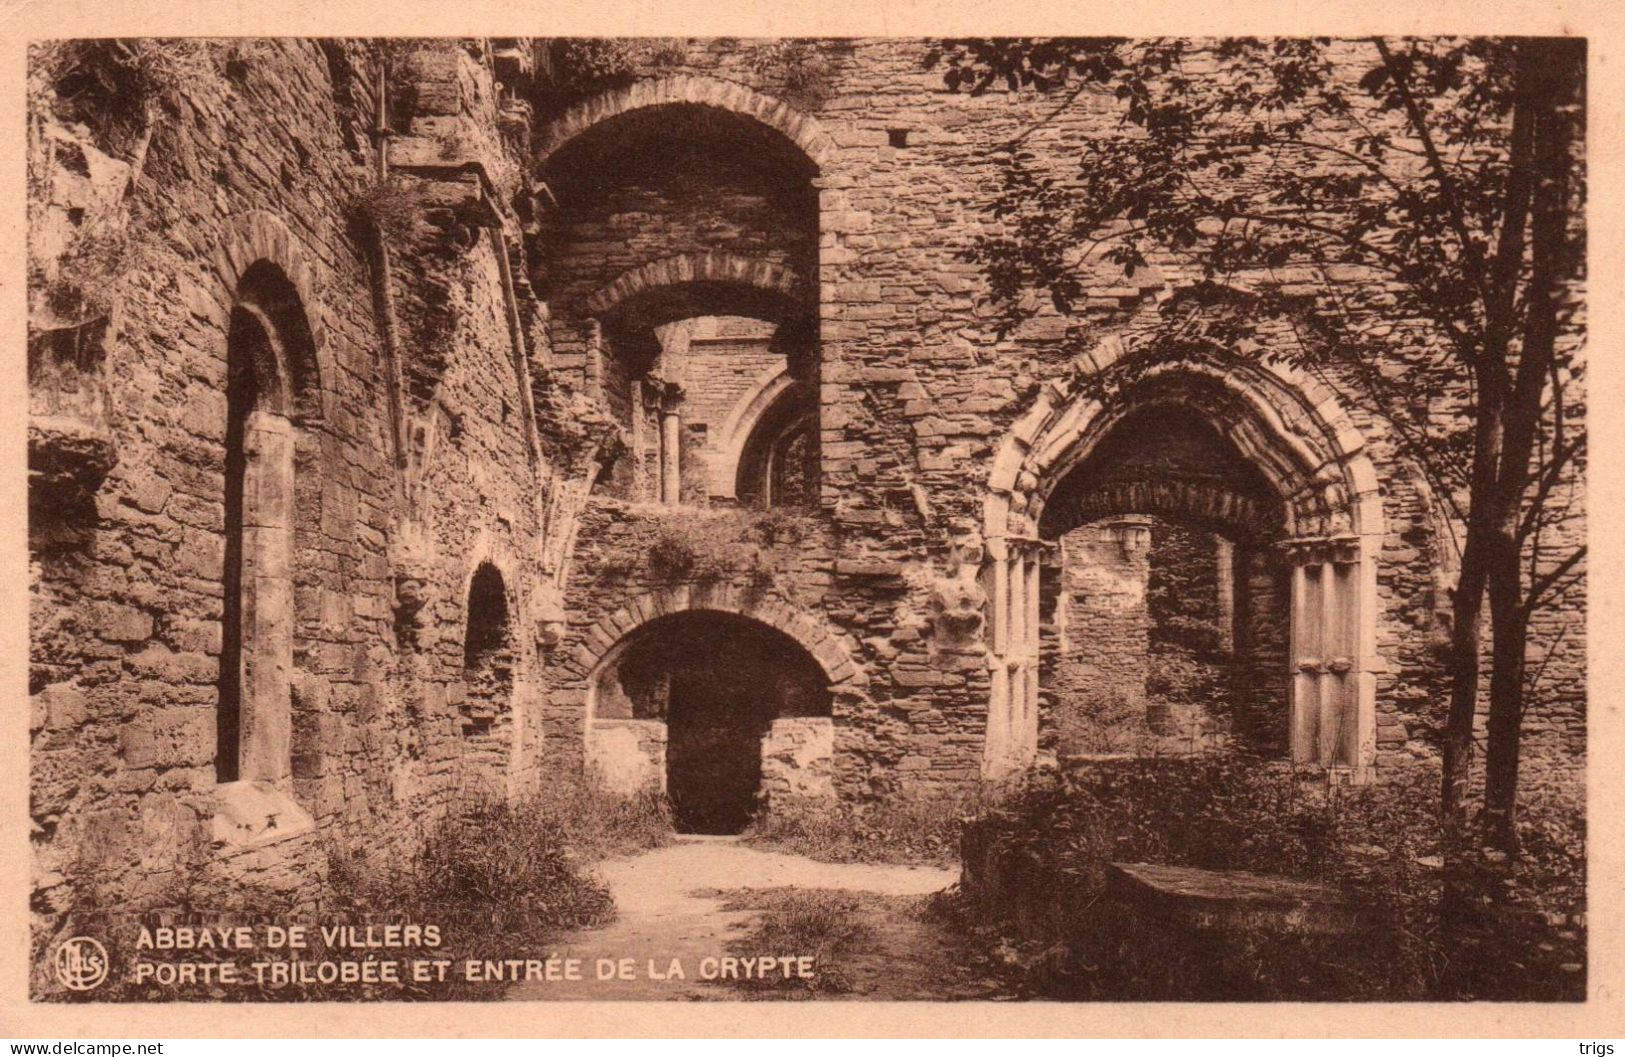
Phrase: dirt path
(671,907)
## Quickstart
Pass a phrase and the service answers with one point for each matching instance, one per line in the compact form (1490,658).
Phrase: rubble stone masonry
(474,269)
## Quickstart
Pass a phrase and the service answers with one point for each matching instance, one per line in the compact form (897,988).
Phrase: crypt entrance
(1181,563)
(720,711)
(1163,601)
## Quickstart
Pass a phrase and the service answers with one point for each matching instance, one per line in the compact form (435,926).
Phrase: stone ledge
(252,814)
(860,569)
(1235,898)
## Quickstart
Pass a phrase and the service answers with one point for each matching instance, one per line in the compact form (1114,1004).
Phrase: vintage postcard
(808,520)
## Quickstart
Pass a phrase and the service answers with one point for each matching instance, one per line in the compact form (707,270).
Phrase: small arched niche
(271,489)
(486,712)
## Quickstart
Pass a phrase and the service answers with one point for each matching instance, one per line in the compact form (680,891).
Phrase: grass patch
(1036,869)
(827,925)
(909,832)
(498,880)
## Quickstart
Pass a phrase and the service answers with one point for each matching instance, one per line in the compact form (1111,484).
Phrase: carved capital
(956,609)
(1131,534)
(1320,550)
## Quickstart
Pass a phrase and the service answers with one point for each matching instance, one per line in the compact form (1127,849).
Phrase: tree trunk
(1510,643)
(1557,65)
(1466,623)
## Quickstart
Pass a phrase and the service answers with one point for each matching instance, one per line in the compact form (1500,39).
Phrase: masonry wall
(644,209)
(1104,651)
(917,391)
(463,422)
(259,152)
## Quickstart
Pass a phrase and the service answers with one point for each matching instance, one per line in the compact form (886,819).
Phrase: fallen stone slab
(1227,899)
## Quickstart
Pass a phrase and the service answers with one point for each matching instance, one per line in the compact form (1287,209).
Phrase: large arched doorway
(718,708)
(1258,482)
(681,263)
(1163,603)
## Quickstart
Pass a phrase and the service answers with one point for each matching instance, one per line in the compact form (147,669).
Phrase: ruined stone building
(419,422)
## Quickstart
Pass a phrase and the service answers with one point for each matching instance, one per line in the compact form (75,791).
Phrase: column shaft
(671,470)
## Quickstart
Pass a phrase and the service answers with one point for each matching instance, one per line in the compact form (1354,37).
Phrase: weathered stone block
(1235,899)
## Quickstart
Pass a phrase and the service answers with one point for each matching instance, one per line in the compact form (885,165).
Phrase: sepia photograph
(844,519)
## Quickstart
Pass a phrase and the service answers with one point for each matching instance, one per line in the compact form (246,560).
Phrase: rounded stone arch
(266,271)
(690,284)
(598,646)
(491,551)
(720,756)
(800,129)
(501,739)
(487,587)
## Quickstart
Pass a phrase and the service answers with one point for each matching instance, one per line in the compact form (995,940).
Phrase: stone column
(1013,594)
(1224,562)
(1027,741)
(265,732)
(592,369)
(671,445)
(1330,684)
(995,763)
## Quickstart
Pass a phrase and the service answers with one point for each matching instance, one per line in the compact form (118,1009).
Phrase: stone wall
(477,322)
(797,753)
(628,756)
(918,392)
(253,159)
(1104,628)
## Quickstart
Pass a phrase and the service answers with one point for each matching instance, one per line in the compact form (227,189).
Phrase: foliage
(826,925)
(1053,838)
(500,881)
(594,823)
(914,831)
(1397,217)
(112,85)
(801,69)
(667,51)
(88,273)
(589,64)
(491,864)
(719,544)
(1104,721)
(392,208)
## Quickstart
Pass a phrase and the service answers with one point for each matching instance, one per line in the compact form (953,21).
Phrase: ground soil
(690,901)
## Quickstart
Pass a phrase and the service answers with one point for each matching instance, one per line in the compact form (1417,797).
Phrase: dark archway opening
(488,660)
(719,681)
(248,349)
(778,464)
(1164,609)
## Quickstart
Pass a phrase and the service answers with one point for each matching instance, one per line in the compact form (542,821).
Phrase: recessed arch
(821,642)
(650,385)
(689,284)
(274,395)
(262,264)
(775,400)
(664,704)
(1288,428)
(1291,427)
(800,129)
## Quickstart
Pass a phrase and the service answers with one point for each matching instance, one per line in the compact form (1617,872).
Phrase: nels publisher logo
(81,963)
